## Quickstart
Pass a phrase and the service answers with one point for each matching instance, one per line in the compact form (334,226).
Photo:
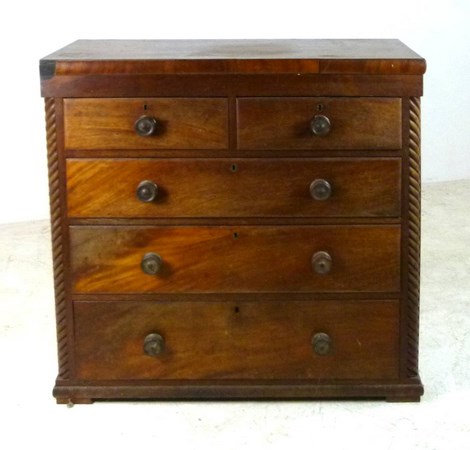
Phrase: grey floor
(440,421)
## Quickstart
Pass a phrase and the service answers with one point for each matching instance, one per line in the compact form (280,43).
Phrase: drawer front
(181,123)
(244,340)
(203,259)
(286,123)
(356,187)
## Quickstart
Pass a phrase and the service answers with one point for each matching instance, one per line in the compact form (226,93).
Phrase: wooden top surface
(234,49)
(381,56)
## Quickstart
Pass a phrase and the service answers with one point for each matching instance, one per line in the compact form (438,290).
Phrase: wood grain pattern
(137,85)
(284,123)
(236,56)
(237,299)
(367,187)
(414,247)
(391,390)
(235,259)
(184,123)
(57,238)
(242,66)
(223,340)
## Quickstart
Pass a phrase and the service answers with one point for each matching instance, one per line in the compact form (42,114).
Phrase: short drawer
(203,259)
(236,340)
(286,187)
(340,123)
(156,123)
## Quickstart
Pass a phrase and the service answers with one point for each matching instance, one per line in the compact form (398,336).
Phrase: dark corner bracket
(46,68)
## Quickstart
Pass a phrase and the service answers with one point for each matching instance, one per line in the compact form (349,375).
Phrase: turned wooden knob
(146,126)
(320,125)
(320,189)
(154,344)
(321,343)
(147,191)
(322,262)
(151,263)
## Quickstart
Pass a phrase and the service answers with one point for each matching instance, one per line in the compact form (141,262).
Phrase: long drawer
(153,123)
(284,187)
(314,123)
(229,340)
(200,259)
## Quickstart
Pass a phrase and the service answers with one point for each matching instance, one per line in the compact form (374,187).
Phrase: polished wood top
(376,56)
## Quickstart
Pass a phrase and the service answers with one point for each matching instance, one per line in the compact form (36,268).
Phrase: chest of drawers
(235,219)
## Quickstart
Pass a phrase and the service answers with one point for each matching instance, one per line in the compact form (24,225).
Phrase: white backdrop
(438,30)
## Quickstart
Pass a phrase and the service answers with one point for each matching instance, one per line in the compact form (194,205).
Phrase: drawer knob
(147,191)
(320,125)
(322,262)
(151,263)
(146,126)
(321,343)
(320,189)
(154,344)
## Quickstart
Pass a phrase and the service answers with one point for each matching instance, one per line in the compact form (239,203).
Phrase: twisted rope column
(414,225)
(56,234)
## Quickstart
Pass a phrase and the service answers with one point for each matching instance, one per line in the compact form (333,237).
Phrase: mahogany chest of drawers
(235,219)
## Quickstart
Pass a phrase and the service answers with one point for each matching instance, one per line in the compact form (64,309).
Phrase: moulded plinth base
(69,392)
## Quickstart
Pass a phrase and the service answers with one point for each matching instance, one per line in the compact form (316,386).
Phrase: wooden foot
(403,399)
(73,401)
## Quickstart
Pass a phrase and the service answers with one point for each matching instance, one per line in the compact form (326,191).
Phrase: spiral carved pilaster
(57,238)
(414,225)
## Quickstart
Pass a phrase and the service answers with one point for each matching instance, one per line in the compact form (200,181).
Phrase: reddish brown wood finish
(253,66)
(235,259)
(250,340)
(371,223)
(385,56)
(152,85)
(367,187)
(183,123)
(390,390)
(146,68)
(284,123)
